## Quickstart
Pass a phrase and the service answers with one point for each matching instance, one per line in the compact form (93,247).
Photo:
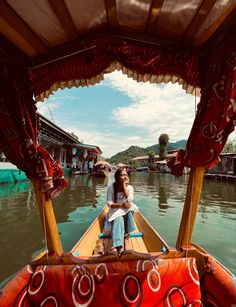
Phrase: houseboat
(225,169)
(65,148)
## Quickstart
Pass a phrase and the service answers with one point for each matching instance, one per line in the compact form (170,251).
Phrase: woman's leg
(107,226)
(129,222)
(118,232)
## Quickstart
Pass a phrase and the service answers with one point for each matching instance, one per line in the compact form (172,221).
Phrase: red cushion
(129,283)
(219,287)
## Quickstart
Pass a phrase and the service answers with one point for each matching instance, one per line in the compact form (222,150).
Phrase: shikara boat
(123,167)
(100,240)
(102,169)
(50,45)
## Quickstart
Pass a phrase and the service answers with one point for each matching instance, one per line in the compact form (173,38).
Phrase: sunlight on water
(160,197)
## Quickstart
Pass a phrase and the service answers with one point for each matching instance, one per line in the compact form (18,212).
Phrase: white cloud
(109,143)
(155,109)
(47,108)
(54,102)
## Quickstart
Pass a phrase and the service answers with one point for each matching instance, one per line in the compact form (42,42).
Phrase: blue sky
(120,112)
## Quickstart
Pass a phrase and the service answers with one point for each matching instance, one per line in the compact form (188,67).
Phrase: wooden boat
(142,169)
(91,266)
(102,169)
(100,240)
(123,166)
(157,41)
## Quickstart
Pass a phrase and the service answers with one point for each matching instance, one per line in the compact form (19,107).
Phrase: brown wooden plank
(111,12)
(138,245)
(142,38)
(86,245)
(203,37)
(201,14)
(151,238)
(190,207)
(127,244)
(153,15)
(88,242)
(107,245)
(63,16)
(18,32)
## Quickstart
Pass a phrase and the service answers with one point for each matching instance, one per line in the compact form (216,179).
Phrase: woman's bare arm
(125,186)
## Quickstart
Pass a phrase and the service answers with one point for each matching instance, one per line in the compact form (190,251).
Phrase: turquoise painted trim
(132,235)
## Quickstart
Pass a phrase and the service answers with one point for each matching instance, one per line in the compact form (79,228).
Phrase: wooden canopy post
(190,207)
(48,220)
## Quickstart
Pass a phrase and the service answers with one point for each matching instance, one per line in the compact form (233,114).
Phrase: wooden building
(64,146)
(225,169)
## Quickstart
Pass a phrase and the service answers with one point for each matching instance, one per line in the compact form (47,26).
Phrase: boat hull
(101,173)
(195,278)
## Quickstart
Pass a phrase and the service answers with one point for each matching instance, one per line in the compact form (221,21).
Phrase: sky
(120,112)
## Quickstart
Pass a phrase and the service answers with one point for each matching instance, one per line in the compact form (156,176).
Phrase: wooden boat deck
(103,246)
(144,239)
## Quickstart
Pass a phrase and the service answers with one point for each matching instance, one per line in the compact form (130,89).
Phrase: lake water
(160,197)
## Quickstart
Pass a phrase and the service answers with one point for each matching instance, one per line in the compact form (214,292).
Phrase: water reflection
(83,191)
(80,203)
(215,228)
(20,227)
(12,188)
(160,198)
(162,204)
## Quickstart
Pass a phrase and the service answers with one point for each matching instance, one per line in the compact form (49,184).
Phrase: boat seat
(121,283)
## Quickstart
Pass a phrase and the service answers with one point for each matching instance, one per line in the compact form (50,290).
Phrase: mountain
(125,156)
(171,146)
(134,151)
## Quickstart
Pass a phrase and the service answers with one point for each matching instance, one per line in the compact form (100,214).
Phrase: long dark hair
(115,184)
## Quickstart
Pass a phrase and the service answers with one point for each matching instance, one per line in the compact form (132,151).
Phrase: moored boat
(123,166)
(142,169)
(10,173)
(39,57)
(102,169)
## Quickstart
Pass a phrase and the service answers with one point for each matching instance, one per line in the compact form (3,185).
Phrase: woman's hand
(127,205)
(126,181)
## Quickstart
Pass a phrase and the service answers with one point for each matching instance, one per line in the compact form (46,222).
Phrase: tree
(229,147)
(133,165)
(163,142)
(151,155)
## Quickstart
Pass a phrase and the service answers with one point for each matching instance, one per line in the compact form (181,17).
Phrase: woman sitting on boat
(121,209)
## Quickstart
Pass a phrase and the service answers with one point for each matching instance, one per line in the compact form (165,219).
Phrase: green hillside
(134,151)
